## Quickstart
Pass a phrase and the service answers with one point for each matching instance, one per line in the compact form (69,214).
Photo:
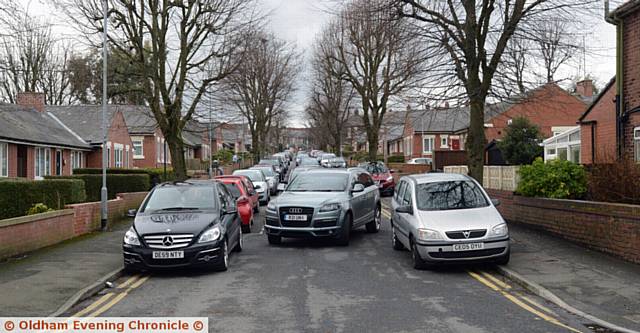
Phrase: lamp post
(103,190)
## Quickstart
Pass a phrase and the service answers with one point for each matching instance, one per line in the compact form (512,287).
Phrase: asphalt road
(315,286)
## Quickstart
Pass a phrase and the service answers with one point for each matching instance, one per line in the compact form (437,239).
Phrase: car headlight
(271,206)
(210,235)
(428,235)
(131,237)
(330,207)
(390,178)
(500,230)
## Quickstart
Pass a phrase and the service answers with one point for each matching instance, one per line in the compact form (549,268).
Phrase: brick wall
(28,233)
(118,134)
(631,71)
(604,115)
(607,227)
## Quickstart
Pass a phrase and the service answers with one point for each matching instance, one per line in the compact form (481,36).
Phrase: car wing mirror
(357,188)
(405,209)
(281,187)
(495,202)
(132,212)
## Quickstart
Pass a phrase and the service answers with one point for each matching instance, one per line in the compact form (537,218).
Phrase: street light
(103,191)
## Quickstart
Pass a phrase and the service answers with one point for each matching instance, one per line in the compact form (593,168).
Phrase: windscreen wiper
(176,208)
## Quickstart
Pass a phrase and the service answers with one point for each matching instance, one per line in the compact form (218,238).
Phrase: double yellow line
(107,301)
(386,212)
(517,298)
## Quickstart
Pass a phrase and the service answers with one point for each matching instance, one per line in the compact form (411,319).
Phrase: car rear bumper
(196,255)
(443,252)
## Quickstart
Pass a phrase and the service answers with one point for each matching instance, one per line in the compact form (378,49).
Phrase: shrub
(616,182)
(556,179)
(224,156)
(395,159)
(18,196)
(521,142)
(38,208)
(115,184)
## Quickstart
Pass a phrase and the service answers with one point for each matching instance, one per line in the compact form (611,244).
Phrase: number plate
(168,254)
(295,217)
(468,247)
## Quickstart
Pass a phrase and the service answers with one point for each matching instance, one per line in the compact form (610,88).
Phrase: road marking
(536,304)
(494,283)
(93,305)
(139,282)
(129,281)
(110,304)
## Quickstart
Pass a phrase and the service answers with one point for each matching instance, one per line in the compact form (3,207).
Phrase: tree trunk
(372,138)
(176,147)
(476,140)
(255,147)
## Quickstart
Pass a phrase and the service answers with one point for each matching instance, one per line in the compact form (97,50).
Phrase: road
(315,286)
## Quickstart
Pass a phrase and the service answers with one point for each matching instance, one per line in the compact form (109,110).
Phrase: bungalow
(34,143)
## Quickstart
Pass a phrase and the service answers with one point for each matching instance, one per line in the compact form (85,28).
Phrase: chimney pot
(585,88)
(31,99)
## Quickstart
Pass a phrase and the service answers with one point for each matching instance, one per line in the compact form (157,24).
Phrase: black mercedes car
(184,224)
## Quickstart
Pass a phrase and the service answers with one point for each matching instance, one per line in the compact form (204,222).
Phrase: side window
(368,181)
(223,197)
(362,179)
(400,192)
(406,198)
(249,185)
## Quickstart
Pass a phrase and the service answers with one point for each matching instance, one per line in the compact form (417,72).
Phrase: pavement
(39,283)
(590,281)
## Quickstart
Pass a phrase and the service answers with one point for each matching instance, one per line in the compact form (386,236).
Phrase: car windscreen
(254,175)
(309,161)
(375,168)
(267,171)
(319,182)
(449,195)
(233,189)
(181,198)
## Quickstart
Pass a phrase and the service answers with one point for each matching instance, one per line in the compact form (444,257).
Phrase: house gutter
(612,18)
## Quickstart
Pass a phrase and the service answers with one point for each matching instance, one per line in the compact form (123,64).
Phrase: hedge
(16,197)
(156,175)
(395,159)
(556,179)
(116,183)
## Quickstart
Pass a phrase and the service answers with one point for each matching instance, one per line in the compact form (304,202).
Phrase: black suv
(184,224)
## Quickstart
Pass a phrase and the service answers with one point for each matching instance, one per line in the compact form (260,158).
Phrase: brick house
(598,128)
(550,107)
(627,19)
(34,143)
(86,121)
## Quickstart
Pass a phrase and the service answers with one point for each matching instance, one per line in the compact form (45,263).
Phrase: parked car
(324,203)
(309,162)
(259,181)
(447,218)
(326,158)
(184,224)
(300,156)
(421,160)
(275,163)
(337,162)
(382,176)
(253,195)
(240,192)
(273,178)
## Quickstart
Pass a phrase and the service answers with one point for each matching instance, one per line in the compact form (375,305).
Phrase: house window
(138,146)
(575,153)
(427,144)
(4,159)
(76,160)
(636,144)
(444,141)
(126,156)
(42,162)
(118,156)
(562,154)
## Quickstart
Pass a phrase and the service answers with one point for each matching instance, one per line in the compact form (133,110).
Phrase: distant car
(252,194)
(420,160)
(300,156)
(337,162)
(324,160)
(276,164)
(259,181)
(324,203)
(273,179)
(382,176)
(239,191)
(447,218)
(184,224)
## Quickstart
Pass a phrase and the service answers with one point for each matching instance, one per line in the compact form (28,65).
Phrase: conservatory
(564,146)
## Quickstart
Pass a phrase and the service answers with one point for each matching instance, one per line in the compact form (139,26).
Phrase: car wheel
(418,262)
(397,245)
(374,226)
(247,228)
(504,260)
(274,240)
(345,231)
(223,265)
(240,244)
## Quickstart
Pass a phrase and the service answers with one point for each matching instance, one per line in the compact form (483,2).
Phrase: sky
(299,21)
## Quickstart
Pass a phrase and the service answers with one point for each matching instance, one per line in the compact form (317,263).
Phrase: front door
(22,161)
(58,162)
(455,144)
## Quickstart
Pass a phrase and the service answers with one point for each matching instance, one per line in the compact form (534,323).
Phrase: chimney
(32,100)
(585,88)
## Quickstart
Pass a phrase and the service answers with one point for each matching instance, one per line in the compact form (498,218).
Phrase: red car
(382,176)
(239,191)
(253,196)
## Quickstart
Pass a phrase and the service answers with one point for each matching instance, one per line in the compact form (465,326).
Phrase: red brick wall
(549,106)
(118,134)
(31,99)
(87,215)
(607,227)
(631,80)
(604,114)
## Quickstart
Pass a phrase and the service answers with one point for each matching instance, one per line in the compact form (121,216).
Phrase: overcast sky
(300,20)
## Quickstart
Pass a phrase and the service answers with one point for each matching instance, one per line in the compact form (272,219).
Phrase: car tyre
(223,264)
(345,231)
(247,228)
(240,244)
(374,226)
(395,242)
(418,262)
(274,240)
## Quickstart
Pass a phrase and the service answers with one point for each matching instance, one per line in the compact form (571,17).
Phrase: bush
(224,156)
(115,184)
(156,175)
(18,196)
(521,142)
(617,182)
(555,179)
(395,159)
(38,208)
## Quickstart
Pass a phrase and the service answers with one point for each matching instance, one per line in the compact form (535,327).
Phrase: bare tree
(262,84)
(475,35)
(171,43)
(554,40)
(377,55)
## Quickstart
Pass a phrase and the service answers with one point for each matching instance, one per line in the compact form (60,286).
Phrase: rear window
(181,198)
(375,167)
(450,195)
(267,171)
(233,189)
(253,175)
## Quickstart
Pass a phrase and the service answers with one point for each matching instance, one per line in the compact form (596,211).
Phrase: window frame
(4,159)
(118,155)
(432,142)
(134,141)
(407,191)
(45,166)
(636,144)
(444,141)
